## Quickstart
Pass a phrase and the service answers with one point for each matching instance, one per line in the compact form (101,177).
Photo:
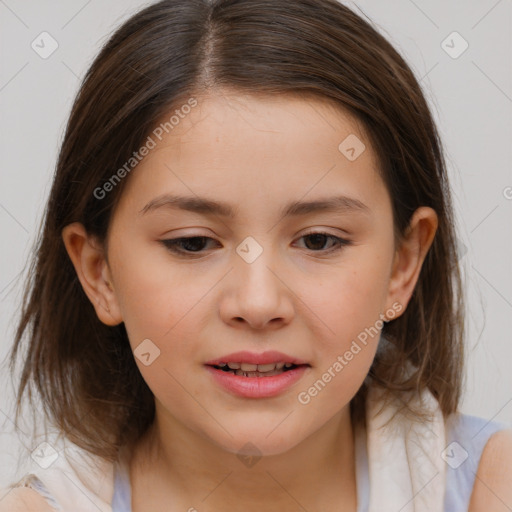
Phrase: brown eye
(317,241)
(195,245)
(184,245)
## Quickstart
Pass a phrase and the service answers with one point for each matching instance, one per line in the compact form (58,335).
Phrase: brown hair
(83,370)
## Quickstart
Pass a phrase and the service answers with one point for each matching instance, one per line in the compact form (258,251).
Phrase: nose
(257,294)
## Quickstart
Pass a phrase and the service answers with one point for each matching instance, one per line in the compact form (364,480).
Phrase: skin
(493,482)
(257,154)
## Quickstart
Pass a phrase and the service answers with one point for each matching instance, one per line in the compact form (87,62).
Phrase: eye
(188,246)
(318,239)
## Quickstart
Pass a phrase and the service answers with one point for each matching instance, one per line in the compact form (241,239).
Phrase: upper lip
(267,357)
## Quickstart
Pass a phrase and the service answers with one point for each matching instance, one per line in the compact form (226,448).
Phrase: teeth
(246,367)
(241,373)
(256,368)
(266,367)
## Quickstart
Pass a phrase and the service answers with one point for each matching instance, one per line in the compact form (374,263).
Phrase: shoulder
(493,483)
(24,499)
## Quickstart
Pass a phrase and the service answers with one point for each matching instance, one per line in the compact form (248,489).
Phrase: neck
(318,473)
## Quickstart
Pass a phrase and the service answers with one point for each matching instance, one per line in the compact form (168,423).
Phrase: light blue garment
(469,435)
(122,499)
(469,432)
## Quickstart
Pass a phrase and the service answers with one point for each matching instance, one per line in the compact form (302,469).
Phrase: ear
(88,258)
(410,255)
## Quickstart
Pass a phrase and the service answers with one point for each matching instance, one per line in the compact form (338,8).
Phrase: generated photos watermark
(145,149)
(305,397)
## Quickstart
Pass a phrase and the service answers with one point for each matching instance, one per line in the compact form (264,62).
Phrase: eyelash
(173,244)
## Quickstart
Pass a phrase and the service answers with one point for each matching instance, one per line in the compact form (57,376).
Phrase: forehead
(259,120)
(245,148)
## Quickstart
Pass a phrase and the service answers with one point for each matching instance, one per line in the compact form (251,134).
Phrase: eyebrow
(206,206)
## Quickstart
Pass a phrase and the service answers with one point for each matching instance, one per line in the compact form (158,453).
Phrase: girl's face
(258,180)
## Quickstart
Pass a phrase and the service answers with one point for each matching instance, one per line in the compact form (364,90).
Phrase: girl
(195,344)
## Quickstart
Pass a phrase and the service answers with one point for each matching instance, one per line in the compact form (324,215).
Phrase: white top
(466,437)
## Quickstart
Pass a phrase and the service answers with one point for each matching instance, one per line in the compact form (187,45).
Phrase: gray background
(471,97)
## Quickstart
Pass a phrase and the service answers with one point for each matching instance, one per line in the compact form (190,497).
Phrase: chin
(257,442)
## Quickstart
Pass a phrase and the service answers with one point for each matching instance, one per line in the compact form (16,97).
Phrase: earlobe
(88,258)
(409,257)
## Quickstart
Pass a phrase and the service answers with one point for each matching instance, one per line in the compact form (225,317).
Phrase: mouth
(252,364)
(256,370)
(251,380)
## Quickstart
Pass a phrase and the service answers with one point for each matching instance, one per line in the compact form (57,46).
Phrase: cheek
(163,306)
(351,298)
(156,299)
(349,304)
(346,346)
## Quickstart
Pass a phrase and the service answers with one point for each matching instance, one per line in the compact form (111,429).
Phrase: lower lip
(257,387)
